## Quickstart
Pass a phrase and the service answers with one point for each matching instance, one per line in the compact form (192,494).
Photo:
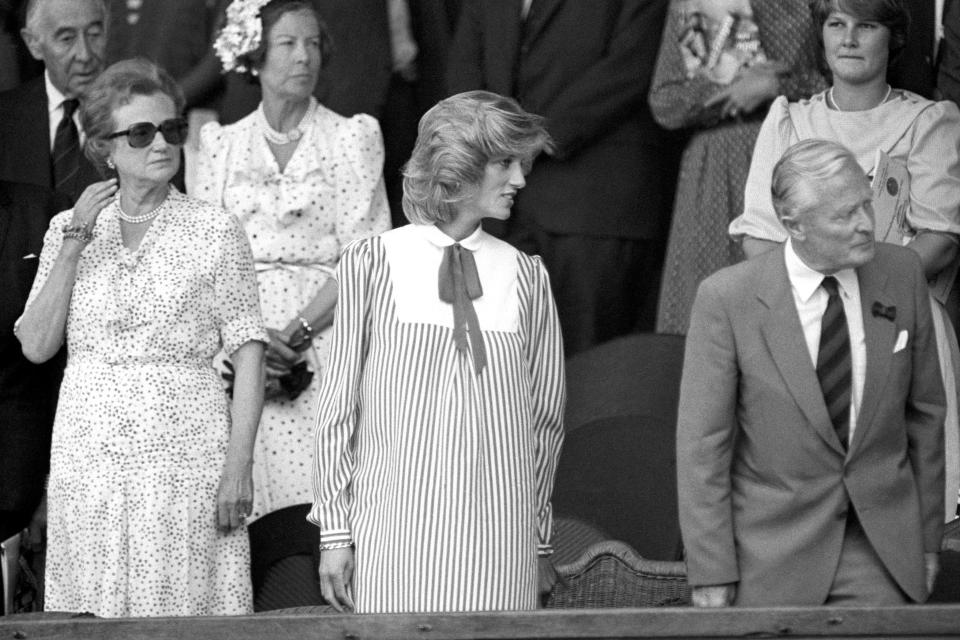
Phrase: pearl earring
(110,164)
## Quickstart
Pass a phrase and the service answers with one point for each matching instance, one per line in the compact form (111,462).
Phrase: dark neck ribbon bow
(882,311)
(459,286)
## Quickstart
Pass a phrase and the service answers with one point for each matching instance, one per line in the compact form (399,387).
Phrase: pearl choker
(149,215)
(286,137)
(837,106)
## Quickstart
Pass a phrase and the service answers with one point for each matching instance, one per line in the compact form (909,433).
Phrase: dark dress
(714,167)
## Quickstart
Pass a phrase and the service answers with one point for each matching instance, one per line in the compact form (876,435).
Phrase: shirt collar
(54,97)
(806,281)
(438,238)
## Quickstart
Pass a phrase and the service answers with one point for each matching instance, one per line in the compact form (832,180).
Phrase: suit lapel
(541,12)
(784,337)
(879,333)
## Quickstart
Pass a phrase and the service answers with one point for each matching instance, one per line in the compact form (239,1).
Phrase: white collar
(54,97)
(806,281)
(438,238)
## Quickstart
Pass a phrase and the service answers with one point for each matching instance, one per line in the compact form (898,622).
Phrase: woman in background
(150,470)
(304,183)
(917,137)
(721,62)
(440,418)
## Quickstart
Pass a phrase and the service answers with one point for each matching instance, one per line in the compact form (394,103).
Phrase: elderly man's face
(836,231)
(70,37)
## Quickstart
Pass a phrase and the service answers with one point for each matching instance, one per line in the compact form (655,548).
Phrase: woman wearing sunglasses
(304,182)
(150,475)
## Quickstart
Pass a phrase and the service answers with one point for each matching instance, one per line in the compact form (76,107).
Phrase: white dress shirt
(811,301)
(55,109)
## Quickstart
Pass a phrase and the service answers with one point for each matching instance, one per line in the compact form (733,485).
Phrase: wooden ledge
(926,621)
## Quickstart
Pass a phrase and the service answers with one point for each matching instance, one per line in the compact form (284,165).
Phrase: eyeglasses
(141,134)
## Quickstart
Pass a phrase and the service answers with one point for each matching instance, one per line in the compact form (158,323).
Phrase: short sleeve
(363,209)
(211,164)
(235,288)
(52,241)
(934,168)
(758,219)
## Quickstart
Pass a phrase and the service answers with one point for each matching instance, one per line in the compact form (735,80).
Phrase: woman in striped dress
(440,419)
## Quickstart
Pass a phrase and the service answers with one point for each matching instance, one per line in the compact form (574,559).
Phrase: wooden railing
(921,621)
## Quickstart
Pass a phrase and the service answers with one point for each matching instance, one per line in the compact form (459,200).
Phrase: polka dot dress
(330,193)
(142,423)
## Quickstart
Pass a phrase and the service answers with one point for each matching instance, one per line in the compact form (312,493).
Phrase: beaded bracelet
(307,329)
(78,232)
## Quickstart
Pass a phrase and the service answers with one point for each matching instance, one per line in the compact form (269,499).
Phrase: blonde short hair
(456,139)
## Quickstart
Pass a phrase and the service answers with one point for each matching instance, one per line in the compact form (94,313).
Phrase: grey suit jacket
(764,484)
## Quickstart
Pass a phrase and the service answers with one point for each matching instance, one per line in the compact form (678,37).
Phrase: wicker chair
(611,575)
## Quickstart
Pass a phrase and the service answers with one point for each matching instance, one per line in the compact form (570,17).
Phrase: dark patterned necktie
(66,151)
(459,284)
(834,368)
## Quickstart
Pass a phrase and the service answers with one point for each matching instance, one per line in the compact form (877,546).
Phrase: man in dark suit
(594,207)
(915,66)
(28,392)
(948,74)
(40,134)
(810,456)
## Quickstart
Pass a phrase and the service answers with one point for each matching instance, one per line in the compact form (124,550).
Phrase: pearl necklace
(149,215)
(837,106)
(286,137)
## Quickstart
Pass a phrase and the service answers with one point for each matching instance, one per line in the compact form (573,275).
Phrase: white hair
(801,168)
(32,20)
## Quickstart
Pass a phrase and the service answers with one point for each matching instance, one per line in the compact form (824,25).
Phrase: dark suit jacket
(948,74)
(763,482)
(586,67)
(28,392)
(915,70)
(25,139)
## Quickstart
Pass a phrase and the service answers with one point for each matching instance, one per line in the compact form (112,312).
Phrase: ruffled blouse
(330,193)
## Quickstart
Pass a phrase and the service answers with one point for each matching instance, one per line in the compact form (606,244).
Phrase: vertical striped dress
(440,477)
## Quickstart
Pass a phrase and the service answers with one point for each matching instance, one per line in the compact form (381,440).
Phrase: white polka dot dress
(142,422)
(330,193)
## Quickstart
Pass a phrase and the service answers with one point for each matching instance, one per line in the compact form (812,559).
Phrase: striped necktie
(459,284)
(834,368)
(66,151)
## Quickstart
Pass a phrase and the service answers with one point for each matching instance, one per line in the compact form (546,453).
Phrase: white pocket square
(901,341)
(30,256)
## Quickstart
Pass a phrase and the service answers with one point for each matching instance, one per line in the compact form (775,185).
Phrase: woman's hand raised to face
(92,201)
(752,88)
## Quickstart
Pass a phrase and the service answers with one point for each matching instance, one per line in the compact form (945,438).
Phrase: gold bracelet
(78,232)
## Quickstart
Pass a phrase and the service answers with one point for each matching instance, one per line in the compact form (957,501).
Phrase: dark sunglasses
(141,134)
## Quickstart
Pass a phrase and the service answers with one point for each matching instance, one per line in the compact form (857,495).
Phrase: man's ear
(792,222)
(33,42)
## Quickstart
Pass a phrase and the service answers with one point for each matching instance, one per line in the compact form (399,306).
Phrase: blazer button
(842,514)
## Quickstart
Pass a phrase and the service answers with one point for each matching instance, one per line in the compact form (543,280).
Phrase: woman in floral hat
(304,182)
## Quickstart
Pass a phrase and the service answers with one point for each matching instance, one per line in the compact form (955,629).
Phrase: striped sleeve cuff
(544,550)
(335,539)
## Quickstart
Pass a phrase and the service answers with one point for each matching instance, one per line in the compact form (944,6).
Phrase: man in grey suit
(810,430)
